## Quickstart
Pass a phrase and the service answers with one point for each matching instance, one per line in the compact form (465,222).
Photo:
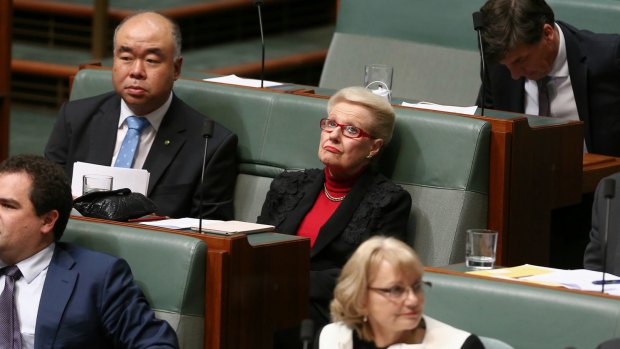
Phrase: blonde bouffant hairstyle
(351,291)
(384,116)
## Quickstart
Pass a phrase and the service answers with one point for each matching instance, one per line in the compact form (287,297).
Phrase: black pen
(607,282)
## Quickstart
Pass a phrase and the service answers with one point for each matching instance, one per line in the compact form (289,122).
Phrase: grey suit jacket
(594,68)
(86,131)
(593,257)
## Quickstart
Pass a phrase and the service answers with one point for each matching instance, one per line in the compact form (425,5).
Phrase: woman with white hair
(347,201)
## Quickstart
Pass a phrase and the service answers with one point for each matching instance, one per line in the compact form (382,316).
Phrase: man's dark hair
(50,187)
(509,23)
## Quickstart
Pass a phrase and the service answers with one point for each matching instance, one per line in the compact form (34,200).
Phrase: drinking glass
(378,79)
(480,248)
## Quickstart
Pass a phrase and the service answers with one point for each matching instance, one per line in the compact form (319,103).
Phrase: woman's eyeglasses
(347,130)
(398,293)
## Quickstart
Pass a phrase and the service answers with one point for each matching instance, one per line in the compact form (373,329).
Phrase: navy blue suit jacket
(90,300)
(594,68)
(86,131)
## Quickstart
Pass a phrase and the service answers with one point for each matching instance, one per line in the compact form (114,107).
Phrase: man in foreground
(59,295)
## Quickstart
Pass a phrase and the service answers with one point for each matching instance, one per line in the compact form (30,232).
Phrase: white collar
(32,266)
(560,65)
(155,117)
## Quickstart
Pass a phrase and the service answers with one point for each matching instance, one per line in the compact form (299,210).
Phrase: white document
(135,179)
(233,227)
(179,223)
(579,279)
(235,80)
(439,107)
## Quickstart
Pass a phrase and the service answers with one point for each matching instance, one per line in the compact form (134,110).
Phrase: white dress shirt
(148,134)
(28,290)
(561,93)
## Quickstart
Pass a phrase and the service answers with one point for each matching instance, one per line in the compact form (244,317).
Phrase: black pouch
(117,205)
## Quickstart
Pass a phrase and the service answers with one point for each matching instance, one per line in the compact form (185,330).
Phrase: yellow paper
(517,273)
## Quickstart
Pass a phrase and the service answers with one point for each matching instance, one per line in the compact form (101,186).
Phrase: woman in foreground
(379,303)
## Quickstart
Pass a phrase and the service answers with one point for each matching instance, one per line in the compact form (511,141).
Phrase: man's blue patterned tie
(127,154)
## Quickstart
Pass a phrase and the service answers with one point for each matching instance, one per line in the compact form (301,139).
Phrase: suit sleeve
(219,186)
(395,216)
(126,316)
(267,211)
(593,258)
(57,146)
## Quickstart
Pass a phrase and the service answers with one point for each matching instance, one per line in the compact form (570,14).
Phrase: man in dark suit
(593,257)
(147,61)
(62,295)
(576,72)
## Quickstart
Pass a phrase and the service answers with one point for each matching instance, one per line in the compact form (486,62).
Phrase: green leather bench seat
(523,316)
(431,44)
(441,159)
(169,268)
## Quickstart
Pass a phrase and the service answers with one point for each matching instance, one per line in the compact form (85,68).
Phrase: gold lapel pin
(166,142)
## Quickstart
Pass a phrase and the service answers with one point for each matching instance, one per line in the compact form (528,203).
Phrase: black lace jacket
(375,205)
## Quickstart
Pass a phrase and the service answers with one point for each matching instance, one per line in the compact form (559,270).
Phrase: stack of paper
(234,227)
(235,80)
(578,279)
(440,107)
(135,179)
(521,273)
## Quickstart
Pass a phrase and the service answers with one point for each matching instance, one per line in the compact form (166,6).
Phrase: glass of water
(480,248)
(378,79)
(96,182)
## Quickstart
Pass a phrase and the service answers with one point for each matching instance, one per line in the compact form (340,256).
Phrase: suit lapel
(578,71)
(57,290)
(341,218)
(168,141)
(103,133)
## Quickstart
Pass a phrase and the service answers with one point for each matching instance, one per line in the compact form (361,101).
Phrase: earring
(369,156)
(365,318)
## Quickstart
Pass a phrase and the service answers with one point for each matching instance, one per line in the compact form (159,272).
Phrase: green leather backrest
(169,268)
(521,315)
(449,23)
(431,44)
(279,131)
(441,159)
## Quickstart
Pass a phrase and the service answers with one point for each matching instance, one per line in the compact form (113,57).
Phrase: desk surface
(461,270)
(597,167)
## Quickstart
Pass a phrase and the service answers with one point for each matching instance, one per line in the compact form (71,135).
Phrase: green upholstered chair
(431,44)
(442,160)
(174,285)
(522,315)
